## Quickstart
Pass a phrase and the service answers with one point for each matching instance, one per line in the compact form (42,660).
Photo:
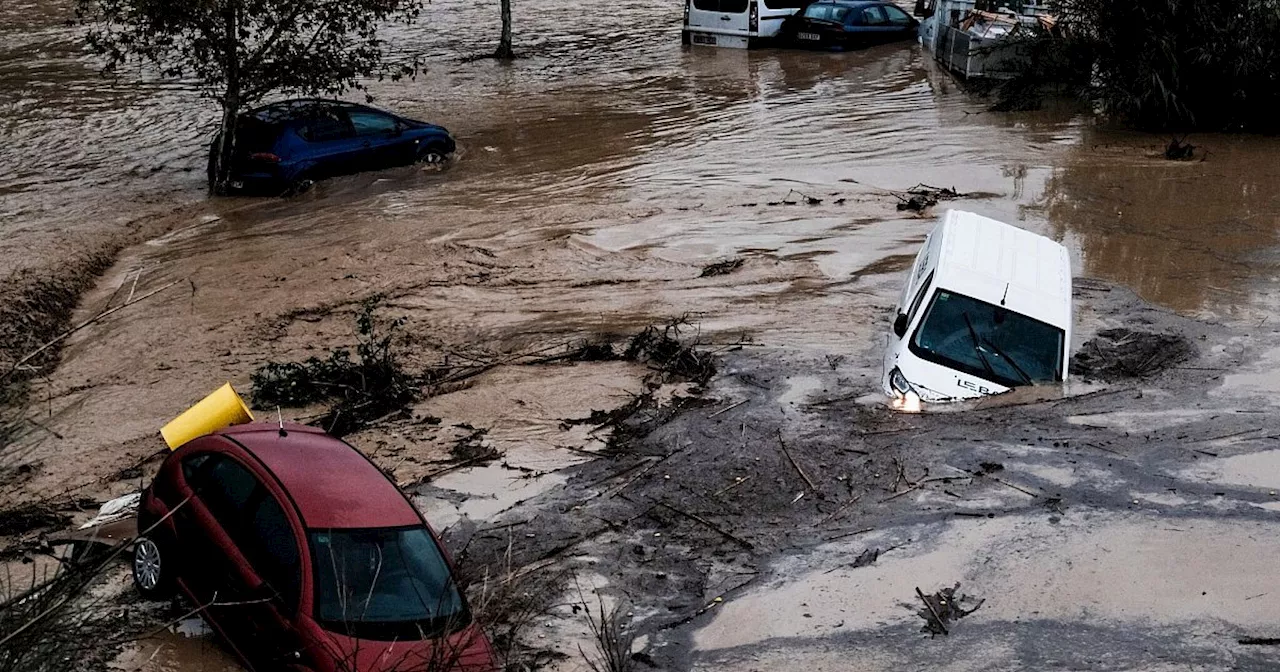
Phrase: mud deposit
(735,529)
(612,181)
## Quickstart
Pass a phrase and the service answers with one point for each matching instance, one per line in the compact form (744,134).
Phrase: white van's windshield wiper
(977,345)
(1007,358)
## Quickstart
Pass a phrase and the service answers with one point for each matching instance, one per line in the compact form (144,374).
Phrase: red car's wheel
(152,569)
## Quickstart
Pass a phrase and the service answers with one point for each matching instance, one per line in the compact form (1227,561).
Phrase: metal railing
(974,57)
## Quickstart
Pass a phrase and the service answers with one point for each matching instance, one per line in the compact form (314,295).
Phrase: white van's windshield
(988,341)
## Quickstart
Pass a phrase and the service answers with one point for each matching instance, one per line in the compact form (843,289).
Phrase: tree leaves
(241,51)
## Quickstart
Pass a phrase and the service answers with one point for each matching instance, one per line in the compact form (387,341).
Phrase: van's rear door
(723,23)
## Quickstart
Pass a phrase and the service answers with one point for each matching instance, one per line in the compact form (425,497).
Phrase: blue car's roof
(285,110)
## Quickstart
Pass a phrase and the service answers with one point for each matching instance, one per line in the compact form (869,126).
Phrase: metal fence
(975,57)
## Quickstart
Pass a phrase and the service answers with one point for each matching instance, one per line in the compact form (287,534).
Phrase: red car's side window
(251,516)
(273,549)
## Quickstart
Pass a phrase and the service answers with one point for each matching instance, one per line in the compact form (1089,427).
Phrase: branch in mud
(58,618)
(787,200)
(32,330)
(710,525)
(942,608)
(18,365)
(507,599)
(672,352)
(1120,353)
(35,310)
(610,637)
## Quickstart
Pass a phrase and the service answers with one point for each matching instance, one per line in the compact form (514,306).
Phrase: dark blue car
(287,146)
(847,24)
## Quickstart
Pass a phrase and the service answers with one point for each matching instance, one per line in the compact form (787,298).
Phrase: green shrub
(364,388)
(1179,65)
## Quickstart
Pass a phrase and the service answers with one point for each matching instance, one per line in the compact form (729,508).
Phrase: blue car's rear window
(826,12)
(255,135)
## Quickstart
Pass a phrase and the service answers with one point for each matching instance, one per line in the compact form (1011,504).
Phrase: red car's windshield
(387,583)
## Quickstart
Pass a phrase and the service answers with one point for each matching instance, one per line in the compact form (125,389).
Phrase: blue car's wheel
(433,155)
(299,185)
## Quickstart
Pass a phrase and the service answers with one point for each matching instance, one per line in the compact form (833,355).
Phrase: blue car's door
(873,26)
(331,146)
(381,138)
(904,26)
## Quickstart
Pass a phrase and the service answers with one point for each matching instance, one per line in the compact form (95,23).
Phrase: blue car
(286,147)
(847,24)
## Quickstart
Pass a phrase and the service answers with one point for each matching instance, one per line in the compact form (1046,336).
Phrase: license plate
(237,184)
(703,38)
(809,36)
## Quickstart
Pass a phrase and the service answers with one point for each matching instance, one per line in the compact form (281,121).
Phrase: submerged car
(288,146)
(739,24)
(304,556)
(847,24)
(986,308)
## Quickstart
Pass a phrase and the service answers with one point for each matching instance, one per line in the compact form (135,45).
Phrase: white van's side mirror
(900,325)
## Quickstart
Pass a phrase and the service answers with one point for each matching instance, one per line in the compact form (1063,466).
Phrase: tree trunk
(222,152)
(504,45)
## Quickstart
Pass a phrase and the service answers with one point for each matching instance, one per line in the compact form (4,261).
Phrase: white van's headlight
(905,397)
(899,382)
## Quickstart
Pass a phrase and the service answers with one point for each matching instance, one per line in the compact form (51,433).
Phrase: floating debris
(722,267)
(922,197)
(1177,150)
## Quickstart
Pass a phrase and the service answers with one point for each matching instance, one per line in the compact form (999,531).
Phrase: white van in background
(987,307)
(740,24)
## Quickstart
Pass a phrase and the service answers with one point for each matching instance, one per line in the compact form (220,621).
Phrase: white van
(987,307)
(740,24)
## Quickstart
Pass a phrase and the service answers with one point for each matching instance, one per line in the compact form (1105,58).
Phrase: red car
(305,556)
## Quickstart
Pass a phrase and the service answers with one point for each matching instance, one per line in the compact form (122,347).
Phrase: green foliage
(1162,65)
(364,388)
(248,48)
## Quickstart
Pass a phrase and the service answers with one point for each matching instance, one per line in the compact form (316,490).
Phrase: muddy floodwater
(596,178)
(608,114)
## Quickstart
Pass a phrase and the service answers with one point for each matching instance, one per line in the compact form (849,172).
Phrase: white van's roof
(992,261)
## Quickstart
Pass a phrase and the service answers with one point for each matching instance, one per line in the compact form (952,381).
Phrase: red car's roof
(331,484)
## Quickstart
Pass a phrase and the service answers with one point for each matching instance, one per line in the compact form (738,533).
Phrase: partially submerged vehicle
(837,25)
(986,308)
(303,555)
(739,24)
(287,146)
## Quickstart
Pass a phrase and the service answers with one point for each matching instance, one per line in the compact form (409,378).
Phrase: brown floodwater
(609,110)
(596,176)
